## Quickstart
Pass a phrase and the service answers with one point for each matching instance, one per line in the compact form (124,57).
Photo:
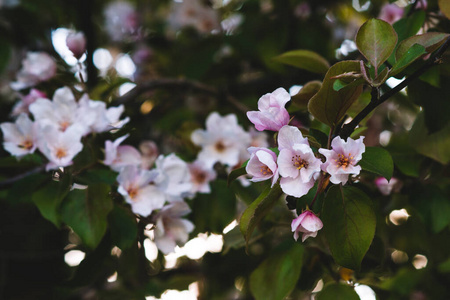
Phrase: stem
(435,59)
(21,176)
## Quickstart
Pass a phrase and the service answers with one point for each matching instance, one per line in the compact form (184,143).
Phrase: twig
(169,83)
(435,59)
(21,176)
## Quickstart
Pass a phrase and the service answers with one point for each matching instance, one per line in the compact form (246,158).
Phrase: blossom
(272,114)
(200,177)
(36,67)
(121,20)
(59,147)
(19,138)
(63,112)
(171,230)
(386,187)
(307,223)
(150,152)
(136,185)
(222,141)
(117,157)
(390,13)
(194,14)
(342,159)
(175,176)
(23,105)
(297,164)
(76,42)
(262,165)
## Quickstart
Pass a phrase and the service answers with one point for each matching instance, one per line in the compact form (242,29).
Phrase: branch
(169,83)
(435,59)
(21,176)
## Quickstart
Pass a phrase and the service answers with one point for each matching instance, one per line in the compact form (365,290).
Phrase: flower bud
(307,223)
(76,42)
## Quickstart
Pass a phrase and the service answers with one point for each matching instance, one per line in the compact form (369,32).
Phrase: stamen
(343,161)
(220,147)
(60,153)
(27,144)
(299,163)
(265,170)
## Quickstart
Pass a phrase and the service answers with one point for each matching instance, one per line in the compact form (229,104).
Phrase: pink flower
(23,105)
(201,176)
(36,67)
(307,223)
(117,157)
(262,165)
(150,153)
(386,187)
(272,114)
(391,13)
(297,164)
(342,159)
(76,42)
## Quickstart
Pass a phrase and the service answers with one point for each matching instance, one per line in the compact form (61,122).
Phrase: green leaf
(377,160)
(86,212)
(434,207)
(302,98)
(48,199)
(411,55)
(410,25)
(5,53)
(276,276)
(433,145)
(258,209)
(328,105)
(337,291)
(430,41)
(304,59)
(376,39)
(97,176)
(123,227)
(444,6)
(349,224)
(235,174)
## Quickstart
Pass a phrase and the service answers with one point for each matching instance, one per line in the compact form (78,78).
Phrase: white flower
(60,147)
(192,13)
(171,230)
(308,224)
(297,165)
(117,157)
(19,138)
(175,175)
(222,141)
(23,105)
(121,20)
(262,165)
(201,176)
(342,159)
(136,185)
(36,67)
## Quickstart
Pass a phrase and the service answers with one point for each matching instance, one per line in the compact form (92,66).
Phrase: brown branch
(435,59)
(169,83)
(21,176)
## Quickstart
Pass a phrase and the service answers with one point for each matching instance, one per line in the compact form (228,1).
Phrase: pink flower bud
(272,114)
(386,187)
(307,223)
(76,42)
(262,165)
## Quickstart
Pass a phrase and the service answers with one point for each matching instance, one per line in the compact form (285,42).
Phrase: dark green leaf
(430,41)
(97,176)
(19,194)
(328,105)
(349,224)
(5,54)
(302,98)
(337,291)
(123,227)
(276,277)
(410,25)
(411,55)
(235,174)
(376,39)
(434,145)
(258,209)
(377,160)
(321,137)
(86,212)
(48,199)
(304,59)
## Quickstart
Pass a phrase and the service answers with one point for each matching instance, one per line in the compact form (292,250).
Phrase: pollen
(60,153)
(299,163)
(266,171)
(132,192)
(27,144)
(63,125)
(220,147)
(343,161)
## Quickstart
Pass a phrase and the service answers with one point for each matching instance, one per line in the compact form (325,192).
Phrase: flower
(390,13)
(121,20)
(76,42)
(297,164)
(342,159)
(386,187)
(307,223)
(200,177)
(175,176)
(20,137)
(193,13)
(150,153)
(171,229)
(272,114)
(36,67)
(222,141)
(23,105)
(117,157)
(262,165)
(136,185)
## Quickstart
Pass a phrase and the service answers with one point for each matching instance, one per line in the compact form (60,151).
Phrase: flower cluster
(297,167)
